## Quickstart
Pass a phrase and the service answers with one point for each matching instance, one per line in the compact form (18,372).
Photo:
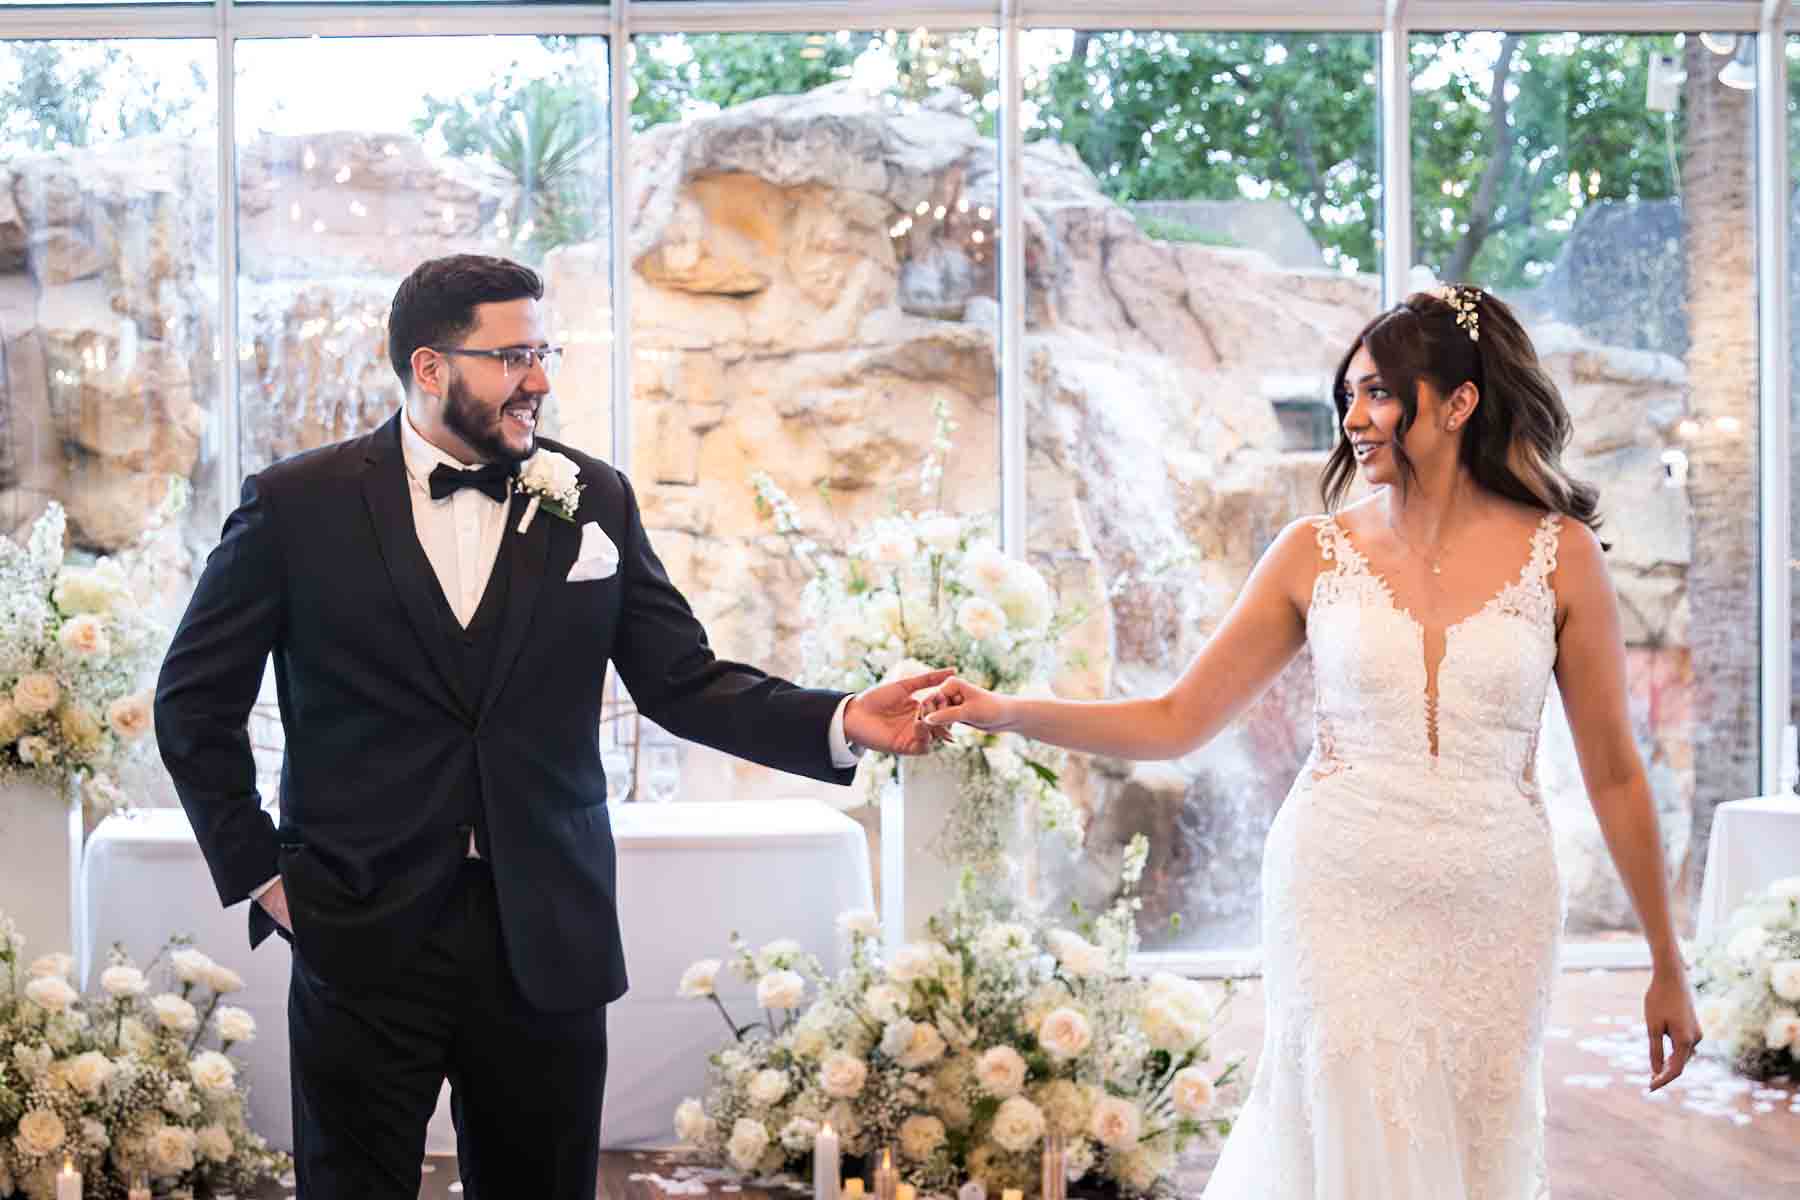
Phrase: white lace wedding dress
(1412,908)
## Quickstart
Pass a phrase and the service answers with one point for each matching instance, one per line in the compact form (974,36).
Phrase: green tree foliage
(65,95)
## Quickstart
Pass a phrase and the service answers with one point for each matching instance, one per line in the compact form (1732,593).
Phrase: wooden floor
(1708,1136)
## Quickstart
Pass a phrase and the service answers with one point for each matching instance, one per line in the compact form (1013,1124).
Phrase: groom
(444,865)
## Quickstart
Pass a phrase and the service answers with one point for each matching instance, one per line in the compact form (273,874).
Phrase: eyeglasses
(514,360)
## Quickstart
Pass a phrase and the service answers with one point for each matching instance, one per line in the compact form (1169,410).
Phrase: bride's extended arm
(1258,638)
(1590,671)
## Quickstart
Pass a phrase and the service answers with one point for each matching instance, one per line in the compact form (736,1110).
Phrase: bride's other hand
(1668,1012)
(956,700)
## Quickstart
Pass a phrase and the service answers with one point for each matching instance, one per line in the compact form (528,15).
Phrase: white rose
(89,1073)
(212,1072)
(52,965)
(1747,943)
(35,750)
(214,1143)
(891,546)
(912,962)
(134,1038)
(1141,1168)
(859,922)
(1065,1034)
(799,1134)
(1067,1106)
(748,1141)
(779,955)
(129,716)
(1078,956)
(1018,1125)
(986,569)
(808,1041)
(1025,598)
(1784,977)
(172,1149)
(780,989)
(33,1061)
(80,590)
(236,1025)
(1175,1015)
(885,1002)
(896,1038)
(980,618)
(692,1125)
(84,635)
(36,694)
(548,471)
(1116,1123)
(1000,1071)
(1786,889)
(1782,1030)
(172,1012)
(941,532)
(1192,1091)
(94,1134)
(843,1076)
(924,1047)
(223,979)
(102,794)
(190,965)
(767,1087)
(920,1136)
(122,982)
(51,993)
(41,1132)
(700,980)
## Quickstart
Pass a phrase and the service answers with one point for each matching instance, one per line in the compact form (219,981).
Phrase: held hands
(1669,1012)
(959,700)
(887,718)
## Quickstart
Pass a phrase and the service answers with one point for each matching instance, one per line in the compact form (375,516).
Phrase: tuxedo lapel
(527,560)
(385,492)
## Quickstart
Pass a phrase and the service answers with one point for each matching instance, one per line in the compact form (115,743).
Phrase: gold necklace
(1434,561)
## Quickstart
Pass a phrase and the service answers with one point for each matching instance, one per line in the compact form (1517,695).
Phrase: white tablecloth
(144,881)
(1754,843)
(689,874)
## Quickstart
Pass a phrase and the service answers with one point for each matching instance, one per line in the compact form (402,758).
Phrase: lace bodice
(1472,714)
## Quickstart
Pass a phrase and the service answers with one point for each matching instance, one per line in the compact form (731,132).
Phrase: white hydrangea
(1018,1124)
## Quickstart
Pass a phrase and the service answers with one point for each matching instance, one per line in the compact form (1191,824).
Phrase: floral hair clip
(1463,301)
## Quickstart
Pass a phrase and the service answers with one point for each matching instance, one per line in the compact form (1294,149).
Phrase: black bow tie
(492,479)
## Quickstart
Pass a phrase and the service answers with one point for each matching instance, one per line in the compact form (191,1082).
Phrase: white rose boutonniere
(553,482)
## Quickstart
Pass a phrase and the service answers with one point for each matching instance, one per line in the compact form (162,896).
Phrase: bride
(1412,908)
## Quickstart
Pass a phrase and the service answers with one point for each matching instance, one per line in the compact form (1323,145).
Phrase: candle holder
(139,1187)
(1055,1181)
(887,1179)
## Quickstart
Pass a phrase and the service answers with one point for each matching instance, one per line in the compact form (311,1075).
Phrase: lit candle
(68,1181)
(972,1190)
(140,1186)
(1011,1194)
(887,1180)
(904,1192)
(825,1166)
(853,1188)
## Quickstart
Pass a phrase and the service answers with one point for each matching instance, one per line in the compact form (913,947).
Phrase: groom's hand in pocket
(274,902)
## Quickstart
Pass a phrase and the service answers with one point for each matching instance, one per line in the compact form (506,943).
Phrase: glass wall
(1604,186)
(815,232)
(1202,219)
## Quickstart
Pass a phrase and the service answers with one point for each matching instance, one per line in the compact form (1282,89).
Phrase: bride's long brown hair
(1514,443)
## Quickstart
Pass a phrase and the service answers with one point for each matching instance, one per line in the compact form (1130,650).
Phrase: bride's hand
(957,700)
(1669,1012)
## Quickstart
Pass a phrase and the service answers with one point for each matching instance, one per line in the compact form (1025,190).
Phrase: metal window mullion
(619,223)
(230,405)
(1395,134)
(786,16)
(1774,386)
(1012,288)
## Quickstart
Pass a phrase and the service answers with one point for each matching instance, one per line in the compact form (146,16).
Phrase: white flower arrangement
(120,1083)
(78,651)
(960,1059)
(917,590)
(1748,980)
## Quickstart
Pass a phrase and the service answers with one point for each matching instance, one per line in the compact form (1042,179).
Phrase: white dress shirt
(461,535)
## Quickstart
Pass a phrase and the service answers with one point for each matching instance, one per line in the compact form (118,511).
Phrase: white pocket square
(598,558)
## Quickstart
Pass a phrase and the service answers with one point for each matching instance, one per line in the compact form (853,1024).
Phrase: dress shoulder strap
(1543,547)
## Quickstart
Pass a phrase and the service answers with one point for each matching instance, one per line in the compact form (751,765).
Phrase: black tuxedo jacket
(322,567)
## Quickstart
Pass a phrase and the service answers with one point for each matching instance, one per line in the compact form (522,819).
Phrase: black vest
(472,650)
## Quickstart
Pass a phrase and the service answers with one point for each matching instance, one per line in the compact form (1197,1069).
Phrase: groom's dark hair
(435,305)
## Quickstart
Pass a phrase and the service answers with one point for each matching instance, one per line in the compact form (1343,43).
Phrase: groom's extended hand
(887,718)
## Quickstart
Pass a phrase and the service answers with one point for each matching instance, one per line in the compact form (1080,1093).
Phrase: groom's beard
(479,426)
